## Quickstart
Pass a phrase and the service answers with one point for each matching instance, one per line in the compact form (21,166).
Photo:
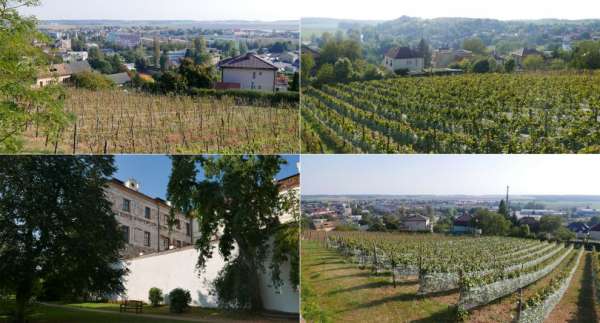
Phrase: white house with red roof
(248,72)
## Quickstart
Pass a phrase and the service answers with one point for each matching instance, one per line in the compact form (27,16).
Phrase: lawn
(334,290)
(48,314)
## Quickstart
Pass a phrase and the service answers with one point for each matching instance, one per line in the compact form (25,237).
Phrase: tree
(550,223)
(239,201)
(21,103)
(343,70)
(63,234)
(475,45)
(307,63)
(295,86)
(391,222)
(164,61)
(491,223)
(594,220)
(91,81)
(156,52)
(481,66)
(197,76)
(155,295)
(424,51)
(533,62)
(326,74)
(502,209)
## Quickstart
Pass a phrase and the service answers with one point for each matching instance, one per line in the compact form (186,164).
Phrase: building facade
(403,58)
(248,72)
(144,221)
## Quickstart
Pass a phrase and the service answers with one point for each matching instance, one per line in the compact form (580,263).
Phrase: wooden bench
(138,306)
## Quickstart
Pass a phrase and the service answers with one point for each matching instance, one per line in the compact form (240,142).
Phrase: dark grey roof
(119,78)
(526,51)
(249,61)
(402,53)
(78,67)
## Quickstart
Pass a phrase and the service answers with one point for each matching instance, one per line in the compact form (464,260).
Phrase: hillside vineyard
(493,113)
(480,270)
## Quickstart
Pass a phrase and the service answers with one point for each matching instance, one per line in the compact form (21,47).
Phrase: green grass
(46,314)
(334,290)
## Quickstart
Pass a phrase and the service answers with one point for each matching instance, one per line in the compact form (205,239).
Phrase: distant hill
(291,25)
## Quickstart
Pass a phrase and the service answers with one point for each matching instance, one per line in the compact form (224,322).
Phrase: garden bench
(131,305)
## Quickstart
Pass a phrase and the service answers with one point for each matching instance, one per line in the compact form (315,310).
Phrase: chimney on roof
(133,184)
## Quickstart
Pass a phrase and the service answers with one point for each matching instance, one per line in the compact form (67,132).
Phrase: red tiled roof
(249,61)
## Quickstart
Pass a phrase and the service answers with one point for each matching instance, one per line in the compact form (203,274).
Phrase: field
(112,122)
(361,277)
(490,113)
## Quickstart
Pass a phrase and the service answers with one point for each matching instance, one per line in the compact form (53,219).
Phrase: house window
(125,232)
(165,243)
(253,75)
(178,224)
(178,244)
(147,213)
(188,229)
(146,238)
(126,205)
(260,87)
(260,73)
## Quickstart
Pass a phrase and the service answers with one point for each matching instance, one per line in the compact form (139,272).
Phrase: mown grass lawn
(334,290)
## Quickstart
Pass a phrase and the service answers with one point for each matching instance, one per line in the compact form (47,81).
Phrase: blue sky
(451,174)
(153,171)
(265,10)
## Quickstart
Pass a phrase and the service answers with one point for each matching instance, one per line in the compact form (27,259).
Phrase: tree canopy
(64,237)
(239,202)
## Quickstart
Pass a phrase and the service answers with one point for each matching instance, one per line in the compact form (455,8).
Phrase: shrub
(179,300)
(155,296)
(91,81)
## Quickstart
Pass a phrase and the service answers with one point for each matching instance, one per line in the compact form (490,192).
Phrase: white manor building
(143,221)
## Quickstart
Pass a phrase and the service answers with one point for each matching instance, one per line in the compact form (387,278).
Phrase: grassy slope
(344,293)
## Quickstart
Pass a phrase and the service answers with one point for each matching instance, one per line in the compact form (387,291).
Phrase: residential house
(120,79)
(248,72)
(417,223)
(281,83)
(72,57)
(580,229)
(595,232)
(59,73)
(63,45)
(444,57)
(463,225)
(404,58)
(522,53)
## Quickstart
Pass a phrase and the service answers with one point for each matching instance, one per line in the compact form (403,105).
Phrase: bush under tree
(155,295)
(179,300)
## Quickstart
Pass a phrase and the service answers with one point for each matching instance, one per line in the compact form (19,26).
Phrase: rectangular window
(165,243)
(188,229)
(260,73)
(147,213)
(147,239)
(253,75)
(178,244)
(178,224)
(125,231)
(126,205)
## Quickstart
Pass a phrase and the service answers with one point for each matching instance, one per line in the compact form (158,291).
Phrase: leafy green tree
(240,202)
(423,50)
(295,86)
(475,45)
(326,74)
(533,62)
(171,82)
(179,300)
(91,81)
(510,65)
(586,55)
(21,103)
(550,223)
(197,76)
(491,223)
(155,295)
(156,52)
(564,234)
(307,63)
(63,234)
(164,61)
(481,66)
(343,70)
(502,209)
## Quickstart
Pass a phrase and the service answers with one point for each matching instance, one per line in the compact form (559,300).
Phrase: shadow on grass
(406,297)
(445,316)
(585,303)
(378,284)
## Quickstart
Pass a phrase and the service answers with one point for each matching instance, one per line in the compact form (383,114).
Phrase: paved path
(160,317)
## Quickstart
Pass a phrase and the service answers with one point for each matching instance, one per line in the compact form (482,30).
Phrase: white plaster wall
(411,64)
(170,270)
(245,77)
(177,269)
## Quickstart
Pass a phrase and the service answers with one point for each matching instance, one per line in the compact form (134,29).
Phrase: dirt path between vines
(577,305)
